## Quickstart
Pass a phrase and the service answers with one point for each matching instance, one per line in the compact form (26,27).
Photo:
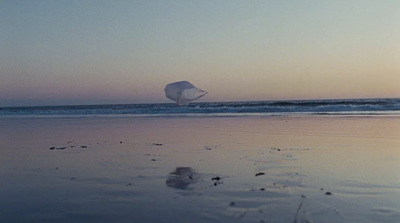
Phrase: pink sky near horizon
(100,52)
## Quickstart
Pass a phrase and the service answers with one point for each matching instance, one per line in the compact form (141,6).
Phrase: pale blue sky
(96,52)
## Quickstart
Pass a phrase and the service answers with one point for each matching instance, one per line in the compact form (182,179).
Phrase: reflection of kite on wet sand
(183,92)
(182,178)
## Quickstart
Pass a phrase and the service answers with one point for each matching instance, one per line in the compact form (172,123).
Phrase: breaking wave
(301,107)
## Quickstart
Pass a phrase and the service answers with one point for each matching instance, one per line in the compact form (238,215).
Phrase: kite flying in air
(183,92)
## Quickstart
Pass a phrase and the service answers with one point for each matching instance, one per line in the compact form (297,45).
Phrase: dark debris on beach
(72,145)
(65,147)
(259,174)
(217,180)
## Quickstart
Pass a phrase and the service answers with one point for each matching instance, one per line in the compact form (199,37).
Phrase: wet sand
(200,169)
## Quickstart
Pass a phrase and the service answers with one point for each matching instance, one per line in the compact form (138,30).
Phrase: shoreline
(357,114)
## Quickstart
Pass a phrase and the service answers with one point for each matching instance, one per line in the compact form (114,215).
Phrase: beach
(200,169)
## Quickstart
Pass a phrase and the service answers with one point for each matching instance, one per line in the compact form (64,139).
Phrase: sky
(72,52)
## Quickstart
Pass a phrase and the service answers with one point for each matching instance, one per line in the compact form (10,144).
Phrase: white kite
(183,92)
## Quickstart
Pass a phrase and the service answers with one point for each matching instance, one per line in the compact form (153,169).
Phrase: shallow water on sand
(236,169)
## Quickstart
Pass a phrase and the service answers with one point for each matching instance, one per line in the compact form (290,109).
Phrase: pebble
(216,178)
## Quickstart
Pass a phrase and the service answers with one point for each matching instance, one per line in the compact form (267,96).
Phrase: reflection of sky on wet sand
(339,169)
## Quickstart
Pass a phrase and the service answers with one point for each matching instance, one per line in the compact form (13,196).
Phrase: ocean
(382,106)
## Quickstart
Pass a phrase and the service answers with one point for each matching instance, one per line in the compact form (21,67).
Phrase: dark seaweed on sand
(260,174)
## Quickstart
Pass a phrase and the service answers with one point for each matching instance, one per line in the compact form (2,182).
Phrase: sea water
(383,106)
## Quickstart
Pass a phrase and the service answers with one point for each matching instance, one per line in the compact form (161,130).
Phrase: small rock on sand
(207,148)
(216,178)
